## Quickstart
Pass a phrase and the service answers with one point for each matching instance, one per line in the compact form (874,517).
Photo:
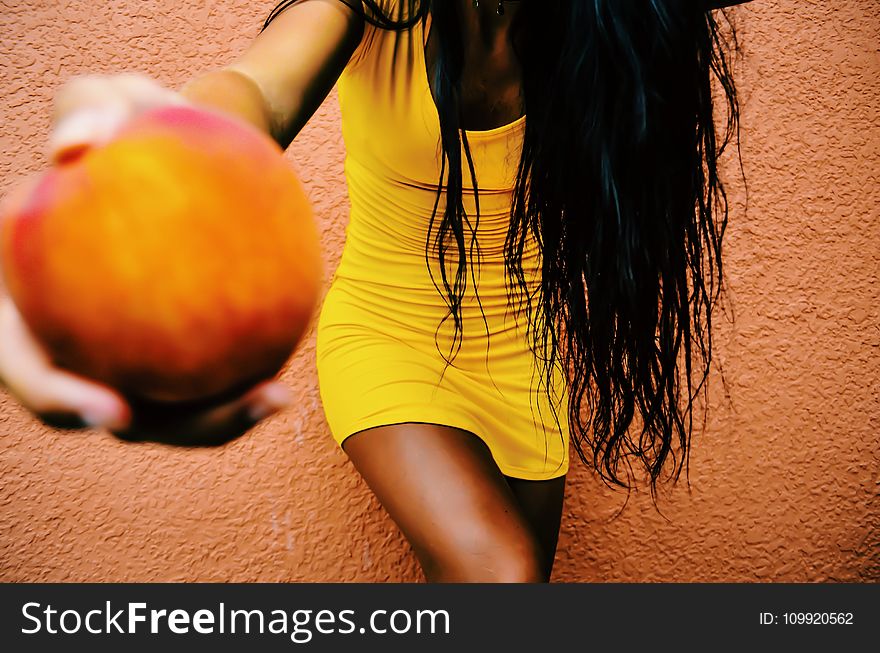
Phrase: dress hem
(507,470)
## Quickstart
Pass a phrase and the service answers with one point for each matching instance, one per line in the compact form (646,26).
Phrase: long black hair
(618,183)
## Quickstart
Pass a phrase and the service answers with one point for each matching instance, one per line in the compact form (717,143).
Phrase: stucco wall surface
(783,482)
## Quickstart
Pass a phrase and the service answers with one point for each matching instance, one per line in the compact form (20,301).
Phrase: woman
(536,223)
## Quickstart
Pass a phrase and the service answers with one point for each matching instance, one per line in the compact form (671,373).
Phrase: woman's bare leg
(541,503)
(448,497)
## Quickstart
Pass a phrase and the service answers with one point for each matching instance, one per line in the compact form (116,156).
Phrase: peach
(178,262)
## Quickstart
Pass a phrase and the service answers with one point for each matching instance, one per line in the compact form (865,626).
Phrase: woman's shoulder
(382,19)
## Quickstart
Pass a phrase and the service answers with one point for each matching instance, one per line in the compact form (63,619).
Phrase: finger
(58,397)
(87,111)
(238,416)
(266,399)
(83,91)
(178,424)
(130,90)
(90,109)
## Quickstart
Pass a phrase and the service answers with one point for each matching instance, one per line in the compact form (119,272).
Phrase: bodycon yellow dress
(378,347)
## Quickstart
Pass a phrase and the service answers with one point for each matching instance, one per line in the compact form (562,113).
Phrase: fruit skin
(178,262)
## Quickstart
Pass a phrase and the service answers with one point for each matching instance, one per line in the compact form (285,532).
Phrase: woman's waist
(406,215)
(383,268)
(388,265)
(420,315)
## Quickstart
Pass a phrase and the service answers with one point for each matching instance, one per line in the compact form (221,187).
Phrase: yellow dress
(378,361)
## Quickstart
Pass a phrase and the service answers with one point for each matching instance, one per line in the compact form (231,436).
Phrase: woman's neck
(483,24)
(491,91)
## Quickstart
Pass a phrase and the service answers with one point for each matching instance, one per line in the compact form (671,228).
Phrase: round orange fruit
(177,262)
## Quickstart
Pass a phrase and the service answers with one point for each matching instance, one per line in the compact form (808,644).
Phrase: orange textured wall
(784,481)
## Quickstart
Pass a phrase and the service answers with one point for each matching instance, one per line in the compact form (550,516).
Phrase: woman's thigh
(447,495)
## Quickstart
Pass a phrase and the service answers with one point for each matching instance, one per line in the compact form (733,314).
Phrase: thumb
(89,109)
(84,128)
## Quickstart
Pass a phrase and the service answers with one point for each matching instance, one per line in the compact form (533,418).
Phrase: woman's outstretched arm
(275,85)
(288,70)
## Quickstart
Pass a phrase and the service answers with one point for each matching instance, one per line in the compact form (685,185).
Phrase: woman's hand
(65,400)
(88,111)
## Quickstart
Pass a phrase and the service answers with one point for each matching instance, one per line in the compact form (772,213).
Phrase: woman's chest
(391,124)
